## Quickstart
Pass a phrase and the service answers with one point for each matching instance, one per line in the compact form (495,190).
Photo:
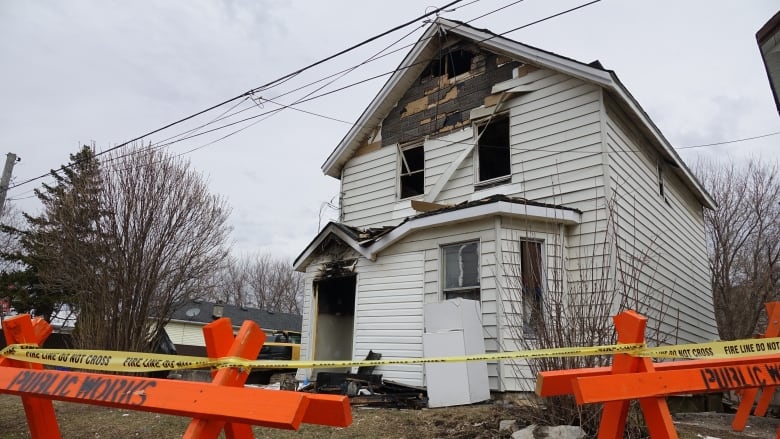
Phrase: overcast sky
(77,72)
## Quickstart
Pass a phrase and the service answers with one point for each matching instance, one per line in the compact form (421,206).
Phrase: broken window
(461,270)
(412,171)
(493,149)
(453,63)
(532,281)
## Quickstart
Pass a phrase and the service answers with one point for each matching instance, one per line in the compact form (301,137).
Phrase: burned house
(481,153)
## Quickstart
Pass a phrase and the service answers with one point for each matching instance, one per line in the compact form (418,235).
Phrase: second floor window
(493,149)
(461,270)
(412,171)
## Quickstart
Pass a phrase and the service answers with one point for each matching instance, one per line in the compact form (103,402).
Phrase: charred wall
(453,84)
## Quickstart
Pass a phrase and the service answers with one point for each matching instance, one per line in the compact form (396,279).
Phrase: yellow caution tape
(715,349)
(115,361)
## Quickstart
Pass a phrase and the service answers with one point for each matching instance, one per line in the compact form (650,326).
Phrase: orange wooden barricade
(224,403)
(633,378)
(749,395)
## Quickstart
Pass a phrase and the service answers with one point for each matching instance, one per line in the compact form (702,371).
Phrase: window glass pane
(461,265)
(533,285)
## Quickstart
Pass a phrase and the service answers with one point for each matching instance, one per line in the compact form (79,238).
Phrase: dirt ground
(476,421)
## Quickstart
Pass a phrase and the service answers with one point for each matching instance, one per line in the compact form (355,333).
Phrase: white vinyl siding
(668,224)
(389,313)
(368,188)
(430,242)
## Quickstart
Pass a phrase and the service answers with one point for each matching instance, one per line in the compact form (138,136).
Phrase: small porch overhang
(369,245)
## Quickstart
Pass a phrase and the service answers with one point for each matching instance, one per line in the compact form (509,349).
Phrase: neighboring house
(185,328)
(482,153)
(768,38)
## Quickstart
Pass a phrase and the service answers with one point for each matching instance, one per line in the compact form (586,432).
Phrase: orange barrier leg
(39,412)
(746,403)
(631,329)
(220,343)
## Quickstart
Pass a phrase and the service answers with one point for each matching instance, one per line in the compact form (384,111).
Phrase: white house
(482,153)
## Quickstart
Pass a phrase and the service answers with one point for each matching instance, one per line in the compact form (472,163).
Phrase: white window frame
(496,180)
(401,162)
(528,330)
(443,265)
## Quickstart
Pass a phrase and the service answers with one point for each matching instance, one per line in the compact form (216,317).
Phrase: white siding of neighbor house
(389,313)
(189,334)
(672,226)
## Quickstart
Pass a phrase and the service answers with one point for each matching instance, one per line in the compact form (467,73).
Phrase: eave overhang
(527,212)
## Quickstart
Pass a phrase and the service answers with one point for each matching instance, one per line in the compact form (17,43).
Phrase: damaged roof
(369,242)
(410,68)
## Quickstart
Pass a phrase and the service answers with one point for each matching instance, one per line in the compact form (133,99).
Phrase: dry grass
(83,421)
(79,421)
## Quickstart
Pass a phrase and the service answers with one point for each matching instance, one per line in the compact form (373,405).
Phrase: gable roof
(411,67)
(370,242)
(202,312)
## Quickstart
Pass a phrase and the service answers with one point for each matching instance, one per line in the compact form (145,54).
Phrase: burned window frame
(451,64)
(532,290)
(471,291)
(494,123)
(406,174)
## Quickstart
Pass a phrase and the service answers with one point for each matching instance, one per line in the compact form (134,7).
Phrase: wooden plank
(268,408)
(221,343)
(748,396)
(561,382)
(660,384)
(630,327)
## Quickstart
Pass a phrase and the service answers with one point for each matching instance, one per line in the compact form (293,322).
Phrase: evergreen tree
(58,240)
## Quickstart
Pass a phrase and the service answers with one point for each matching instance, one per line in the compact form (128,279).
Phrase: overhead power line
(256,89)
(725,142)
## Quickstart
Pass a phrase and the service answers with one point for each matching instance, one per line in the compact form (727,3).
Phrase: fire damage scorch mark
(113,389)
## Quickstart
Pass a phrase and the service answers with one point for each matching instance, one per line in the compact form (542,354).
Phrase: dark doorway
(335,319)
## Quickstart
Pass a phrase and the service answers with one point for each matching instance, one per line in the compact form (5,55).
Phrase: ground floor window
(532,281)
(460,270)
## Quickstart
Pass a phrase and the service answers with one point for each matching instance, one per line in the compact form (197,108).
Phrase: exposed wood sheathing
(440,104)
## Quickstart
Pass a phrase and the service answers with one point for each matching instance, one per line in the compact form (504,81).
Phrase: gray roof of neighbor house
(202,312)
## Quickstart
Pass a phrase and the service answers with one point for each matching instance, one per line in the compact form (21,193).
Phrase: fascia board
(304,258)
(539,213)
(366,123)
(533,55)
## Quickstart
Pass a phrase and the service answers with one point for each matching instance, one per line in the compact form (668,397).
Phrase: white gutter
(538,213)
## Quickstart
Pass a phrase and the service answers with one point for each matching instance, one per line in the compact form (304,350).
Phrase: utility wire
(725,142)
(248,95)
(311,98)
(255,90)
